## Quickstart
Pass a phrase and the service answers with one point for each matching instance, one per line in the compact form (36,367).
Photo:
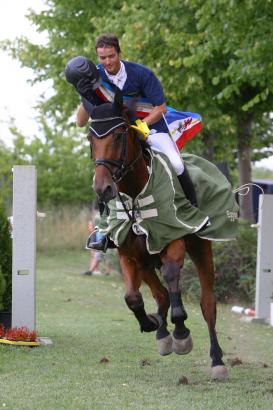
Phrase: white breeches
(162,142)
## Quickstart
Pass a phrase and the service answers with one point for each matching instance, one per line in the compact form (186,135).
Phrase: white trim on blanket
(145,201)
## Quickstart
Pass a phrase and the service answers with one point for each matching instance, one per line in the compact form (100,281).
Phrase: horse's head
(111,149)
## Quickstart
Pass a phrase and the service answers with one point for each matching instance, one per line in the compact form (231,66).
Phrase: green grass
(87,319)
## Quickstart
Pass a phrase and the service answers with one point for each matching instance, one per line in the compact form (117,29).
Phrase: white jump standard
(264,272)
(24,247)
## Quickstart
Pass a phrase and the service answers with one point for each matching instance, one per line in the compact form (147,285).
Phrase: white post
(24,246)
(264,272)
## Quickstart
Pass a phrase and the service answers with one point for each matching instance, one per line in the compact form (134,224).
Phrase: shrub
(5,261)
(235,267)
(2,290)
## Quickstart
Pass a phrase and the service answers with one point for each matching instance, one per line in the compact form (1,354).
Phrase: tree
(217,66)
(63,163)
(5,173)
(235,64)
(5,261)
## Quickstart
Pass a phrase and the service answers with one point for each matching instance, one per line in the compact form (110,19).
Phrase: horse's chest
(135,245)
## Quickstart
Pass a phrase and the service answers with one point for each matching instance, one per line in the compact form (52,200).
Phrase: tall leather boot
(187,186)
(96,240)
(99,242)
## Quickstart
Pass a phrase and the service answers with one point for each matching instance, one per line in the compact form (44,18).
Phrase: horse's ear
(118,99)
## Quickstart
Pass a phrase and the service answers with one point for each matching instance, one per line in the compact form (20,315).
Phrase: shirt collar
(120,78)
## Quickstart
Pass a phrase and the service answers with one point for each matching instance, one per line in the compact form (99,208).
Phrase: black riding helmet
(83,75)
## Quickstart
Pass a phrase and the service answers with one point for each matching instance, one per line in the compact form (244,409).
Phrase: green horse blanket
(162,213)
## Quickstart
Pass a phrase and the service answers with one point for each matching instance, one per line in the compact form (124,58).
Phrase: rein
(123,168)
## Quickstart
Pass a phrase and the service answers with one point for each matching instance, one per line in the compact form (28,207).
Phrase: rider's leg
(187,186)
(162,142)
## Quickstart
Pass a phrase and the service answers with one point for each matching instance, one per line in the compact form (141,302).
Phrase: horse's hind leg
(161,296)
(133,298)
(200,252)
(172,259)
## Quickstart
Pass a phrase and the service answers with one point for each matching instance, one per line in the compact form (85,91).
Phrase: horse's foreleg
(172,259)
(200,251)
(161,296)
(133,298)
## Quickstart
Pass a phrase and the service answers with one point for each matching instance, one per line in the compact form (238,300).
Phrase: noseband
(121,164)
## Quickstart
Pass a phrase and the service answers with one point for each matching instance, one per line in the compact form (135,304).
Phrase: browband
(104,134)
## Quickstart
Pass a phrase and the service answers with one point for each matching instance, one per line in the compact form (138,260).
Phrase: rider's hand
(83,86)
(142,127)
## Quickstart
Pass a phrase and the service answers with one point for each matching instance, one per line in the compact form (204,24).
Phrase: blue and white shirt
(140,82)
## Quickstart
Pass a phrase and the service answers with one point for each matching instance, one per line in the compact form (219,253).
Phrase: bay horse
(121,167)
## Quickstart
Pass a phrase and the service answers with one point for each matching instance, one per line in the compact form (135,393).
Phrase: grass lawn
(87,319)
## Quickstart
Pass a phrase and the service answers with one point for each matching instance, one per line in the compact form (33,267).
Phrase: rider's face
(109,58)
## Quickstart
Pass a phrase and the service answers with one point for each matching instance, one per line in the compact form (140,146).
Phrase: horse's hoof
(165,345)
(182,346)
(156,319)
(219,372)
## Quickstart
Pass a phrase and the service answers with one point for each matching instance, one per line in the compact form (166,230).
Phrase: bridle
(121,164)
(123,168)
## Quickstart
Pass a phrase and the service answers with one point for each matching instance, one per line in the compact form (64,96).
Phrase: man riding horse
(135,81)
(151,220)
(153,225)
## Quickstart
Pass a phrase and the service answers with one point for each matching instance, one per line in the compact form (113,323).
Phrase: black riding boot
(96,240)
(99,244)
(187,186)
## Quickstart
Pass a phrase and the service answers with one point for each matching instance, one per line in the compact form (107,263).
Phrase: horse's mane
(145,149)
(144,145)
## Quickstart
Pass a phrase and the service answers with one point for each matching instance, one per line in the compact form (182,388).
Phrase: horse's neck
(133,183)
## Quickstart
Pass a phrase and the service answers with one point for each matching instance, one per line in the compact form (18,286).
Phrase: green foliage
(6,164)
(2,290)
(235,267)
(64,168)
(207,51)
(5,261)
(70,31)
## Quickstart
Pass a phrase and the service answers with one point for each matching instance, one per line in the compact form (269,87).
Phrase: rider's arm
(82,116)
(156,114)
(151,88)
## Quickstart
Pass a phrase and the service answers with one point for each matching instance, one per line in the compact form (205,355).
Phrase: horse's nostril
(108,193)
